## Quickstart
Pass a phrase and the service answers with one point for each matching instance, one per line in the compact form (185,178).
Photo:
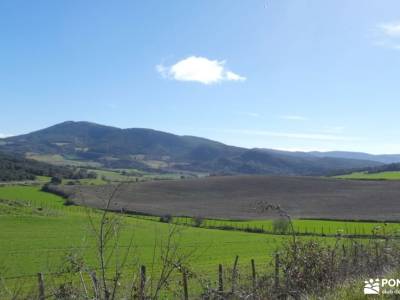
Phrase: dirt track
(236,197)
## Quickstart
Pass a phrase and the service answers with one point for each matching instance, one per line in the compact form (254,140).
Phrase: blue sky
(296,75)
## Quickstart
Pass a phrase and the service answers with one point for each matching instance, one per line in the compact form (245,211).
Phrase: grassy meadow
(389,175)
(317,227)
(40,231)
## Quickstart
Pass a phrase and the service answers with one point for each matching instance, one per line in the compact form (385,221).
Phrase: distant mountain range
(153,150)
(382,158)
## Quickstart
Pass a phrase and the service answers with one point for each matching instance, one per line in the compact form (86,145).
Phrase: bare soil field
(236,197)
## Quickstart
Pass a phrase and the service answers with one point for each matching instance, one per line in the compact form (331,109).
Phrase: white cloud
(390,29)
(293,118)
(388,35)
(233,76)
(162,70)
(304,136)
(199,69)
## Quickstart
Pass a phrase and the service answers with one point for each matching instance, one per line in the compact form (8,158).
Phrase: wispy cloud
(388,35)
(333,129)
(250,114)
(391,29)
(294,135)
(293,118)
(199,69)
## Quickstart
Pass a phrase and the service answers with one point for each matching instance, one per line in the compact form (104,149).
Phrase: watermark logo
(382,286)
(372,286)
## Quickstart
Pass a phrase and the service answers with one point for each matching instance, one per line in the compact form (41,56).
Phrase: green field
(60,160)
(39,231)
(317,227)
(392,175)
(35,238)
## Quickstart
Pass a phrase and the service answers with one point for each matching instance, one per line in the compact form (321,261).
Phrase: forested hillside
(17,168)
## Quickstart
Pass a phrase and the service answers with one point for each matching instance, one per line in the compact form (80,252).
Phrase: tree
(56,180)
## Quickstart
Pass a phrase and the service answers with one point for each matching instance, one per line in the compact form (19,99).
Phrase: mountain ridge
(148,148)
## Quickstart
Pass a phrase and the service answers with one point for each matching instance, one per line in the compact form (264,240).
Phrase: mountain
(149,149)
(383,158)
(394,167)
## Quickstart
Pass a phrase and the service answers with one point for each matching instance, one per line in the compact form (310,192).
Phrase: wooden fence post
(253,274)
(386,255)
(41,286)
(185,285)
(276,277)
(95,284)
(220,279)
(234,274)
(377,257)
(355,260)
(142,290)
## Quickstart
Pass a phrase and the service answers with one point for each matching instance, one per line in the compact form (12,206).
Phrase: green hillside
(17,168)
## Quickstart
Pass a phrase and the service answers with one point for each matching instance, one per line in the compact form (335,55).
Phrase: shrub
(50,188)
(69,202)
(280,226)
(56,180)
(254,230)
(198,221)
(166,219)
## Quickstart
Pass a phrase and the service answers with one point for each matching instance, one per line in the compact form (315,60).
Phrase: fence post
(234,273)
(95,284)
(220,279)
(386,256)
(377,257)
(344,261)
(142,290)
(355,261)
(185,285)
(253,274)
(276,277)
(41,286)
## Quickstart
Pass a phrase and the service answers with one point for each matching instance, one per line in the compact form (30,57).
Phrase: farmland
(40,230)
(236,197)
(388,175)
(41,233)
(305,227)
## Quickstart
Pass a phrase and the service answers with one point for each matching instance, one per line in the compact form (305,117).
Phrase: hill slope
(151,149)
(17,168)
